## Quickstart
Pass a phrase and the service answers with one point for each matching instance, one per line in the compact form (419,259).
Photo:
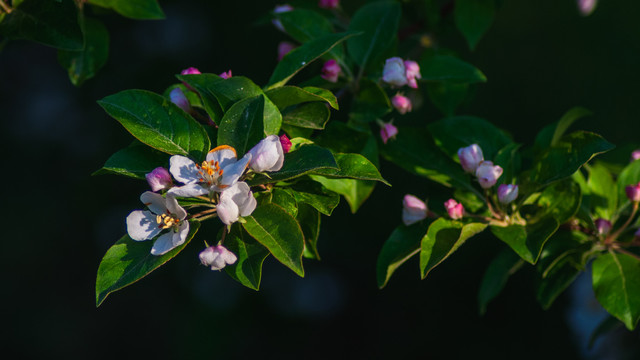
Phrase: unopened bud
(190,71)
(388,131)
(159,179)
(586,7)
(328,4)
(286,143)
(280,9)
(267,155)
(284,48)
(177,97)
(633,192)
(217,257)
(507,193)
(401,103)
(603,226)
(635,155)
(488,174)
(470,157)
(331,71)
(454,209)
(225,75)
(394,72)
(412,73)
(413,209)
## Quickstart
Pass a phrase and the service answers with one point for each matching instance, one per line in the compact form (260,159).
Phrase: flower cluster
(398,72)
(216,184)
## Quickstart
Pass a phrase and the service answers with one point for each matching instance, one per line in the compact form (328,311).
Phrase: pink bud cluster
(401,103)
(400,72)
(472,161)
(454,209)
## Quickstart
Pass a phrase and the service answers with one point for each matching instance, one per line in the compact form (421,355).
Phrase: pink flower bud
(488,174)
(267,155)
(280,9)
(328,4)
(412,73)
(388,131)
(331,70)
(284,48)
(413,209)
(226,75)
(470,157)
(586,7)
(189,71)
(633,192)
(177,97)
(159,179)
(286,143)
(507,193)
(603,226)
(394,72)
(401,103)
(454,209)
(635,155)
(217,257)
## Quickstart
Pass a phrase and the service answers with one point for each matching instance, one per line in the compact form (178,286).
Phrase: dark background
(541,58)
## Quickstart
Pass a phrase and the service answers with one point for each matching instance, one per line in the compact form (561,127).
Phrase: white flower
(164,214)
(235,201)
(217,257)
(413,210)
(394,72)
(470,157)
(267,155)
(220,170)
(488,174)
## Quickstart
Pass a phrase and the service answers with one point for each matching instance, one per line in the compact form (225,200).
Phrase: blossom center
(166,221)
(210,172)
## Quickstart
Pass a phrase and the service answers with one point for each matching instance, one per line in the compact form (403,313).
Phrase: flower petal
(227,210)
(174,208)
(189,190)
(155,202)
(163,245)
(181,235)
(142,225)
(233,171)
(223,154)
(183,169)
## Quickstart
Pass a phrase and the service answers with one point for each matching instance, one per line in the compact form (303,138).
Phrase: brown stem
(626,252)
(5,7)
(205,212)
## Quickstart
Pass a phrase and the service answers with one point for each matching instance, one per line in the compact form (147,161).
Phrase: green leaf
(52,23)
(378,23)
(353,166)
(157,122)
(309,116)
(443,238)
(304,25)
(505,264)
(288,95)
(509,159)
(603,200)
(527,241)
(447,96)
(201,84)
(560,200)
(284,198)
(616,283)
(451,69)
(567,156)
(248,269)
(84,64)
(402,244)
(309,220)
(473,18)
(315,195)
(135,9)
(242,126)
(412,150)
(297,163)
(552,133)
(302,56)
(128,261)
(279,232)
(134,161)
(630,175)
(371,102)
(453,133)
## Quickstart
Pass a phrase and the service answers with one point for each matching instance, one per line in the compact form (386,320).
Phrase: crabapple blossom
(602,226)
(507,193)
(401,103)
(412,72)
(217,257)
(235,201)
(488,174)
(387,131)
(470,157)
(159,179)
(394,72)
(331,71)
(267,155)
(225,75)
(190,71)
(163,214)
(635,155)
(413,209)
(454,209)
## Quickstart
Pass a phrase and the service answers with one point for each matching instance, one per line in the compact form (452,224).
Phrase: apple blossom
(633,192)
(220,170)
(267,155)
(470,157)
(635,155)
(217,257)
(602,226)
(331,71)
(163,214)
(394,72)
(401,103)
(488,174)
(412,73)
(507,193)
(586,7)
(413,209)
(225,75)
(454,209)
(235,201)
(159,179)
(190,71)
(387,131)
